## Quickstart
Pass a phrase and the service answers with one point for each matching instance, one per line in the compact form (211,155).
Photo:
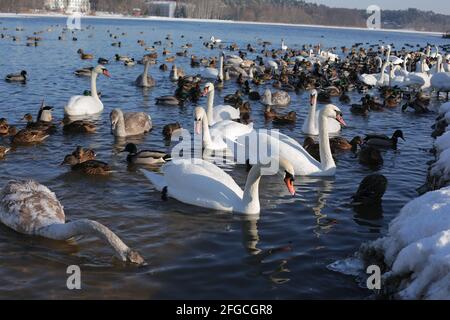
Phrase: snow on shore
(415,250)
(104,15)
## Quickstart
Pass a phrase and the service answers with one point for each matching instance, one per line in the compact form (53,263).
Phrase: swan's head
(333,112)
(209,87)
(114,117)
(199,117)
(287,172)
(312,96)
(102,70)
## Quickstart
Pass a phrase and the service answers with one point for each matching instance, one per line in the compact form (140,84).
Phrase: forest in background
(282,11)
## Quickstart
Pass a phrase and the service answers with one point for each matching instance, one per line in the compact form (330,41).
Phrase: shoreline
(157,18)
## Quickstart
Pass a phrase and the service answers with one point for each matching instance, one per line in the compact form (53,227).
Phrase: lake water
(191,252)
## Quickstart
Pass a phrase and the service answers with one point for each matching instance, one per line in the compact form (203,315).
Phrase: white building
(69,6)
(162,8)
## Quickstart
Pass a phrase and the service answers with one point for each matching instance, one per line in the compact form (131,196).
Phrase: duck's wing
(376,136)
(151,154)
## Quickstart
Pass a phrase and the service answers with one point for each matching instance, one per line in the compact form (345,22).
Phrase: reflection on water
(192,252)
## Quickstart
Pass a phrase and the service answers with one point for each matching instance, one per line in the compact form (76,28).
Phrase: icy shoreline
(155,18)
(415,253)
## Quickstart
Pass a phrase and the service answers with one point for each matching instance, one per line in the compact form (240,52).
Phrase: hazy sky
(438,6)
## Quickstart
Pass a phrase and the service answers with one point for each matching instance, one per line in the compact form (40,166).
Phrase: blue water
(192,252)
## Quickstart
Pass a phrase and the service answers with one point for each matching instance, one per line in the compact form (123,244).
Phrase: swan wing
(137,122)
(225,112)
(83,105)
(230,130)
(27,206)
(201,183)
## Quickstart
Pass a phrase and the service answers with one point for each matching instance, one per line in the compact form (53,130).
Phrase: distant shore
(157,18)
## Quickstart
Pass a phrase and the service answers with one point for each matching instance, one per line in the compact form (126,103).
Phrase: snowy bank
(415,253)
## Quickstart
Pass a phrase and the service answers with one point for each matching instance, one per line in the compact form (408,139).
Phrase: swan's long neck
(86,227)
(326,158)
(210,106)
(383,71)
(120,125)
(145,73)
(404,64)
(250,73)
(94,85)
(311,119)
(221,68)
(206,135)
(250,200)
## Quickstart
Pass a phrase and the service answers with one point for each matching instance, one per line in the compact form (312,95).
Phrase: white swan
(284,47)
(201,183)
(419,79)
(86,105)
(440,81)
(214,40)
(220,112)
(31,208)
(304,164)
(213,73)
(213,138)
(312,121)
(375,79)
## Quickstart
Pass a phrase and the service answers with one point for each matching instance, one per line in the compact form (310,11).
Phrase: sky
(438,6)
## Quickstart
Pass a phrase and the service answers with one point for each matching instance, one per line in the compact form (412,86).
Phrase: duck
(84,56)
(145,80)
(102,61)
(370,156)
(289,118)
(341,144)
(149,157)
(168,101)
(87,105)
(84,72)
(381,140)
(163,67)
(119,57)
(203,184)
(6,129)
(78,126)
(279,98)
(30,208)
(90,167)
(371,190)
(311,124)
(17,77)
(29,136)
(129,123)
(362,110)
(3,151)
(40,125)
(129,63)
(83,155)
(169,129)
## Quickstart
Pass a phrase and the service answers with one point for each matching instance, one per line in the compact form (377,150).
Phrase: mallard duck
(129,63)
(84,154)
(6,129)
(102,61)
(78,126)
(344,98)
(312,148)
(169,129)
(371,190)
(84,72)
(144,156)
(29,136)
(358,109)
(370,156)
(39,125)
(233,99)
(381,140)
(289,118)
(91,167)
(17,77)
(341,144)
(163,67)
(392,101)
(3,151)
(84,56)
(168,101)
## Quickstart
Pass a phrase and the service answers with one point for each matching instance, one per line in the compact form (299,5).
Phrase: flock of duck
(413,74)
